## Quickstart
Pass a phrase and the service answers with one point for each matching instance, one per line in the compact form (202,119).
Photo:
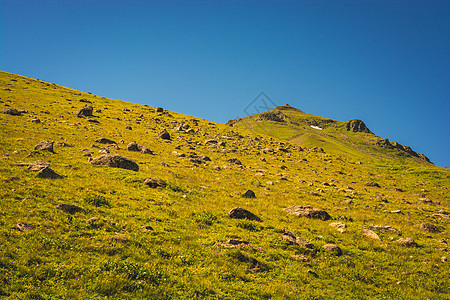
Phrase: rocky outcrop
(404,150)
(307,211)
(242,213)
(115,161)
(357,125)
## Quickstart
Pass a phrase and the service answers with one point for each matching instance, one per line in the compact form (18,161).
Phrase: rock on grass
(242,213)
(307,211)
(115,161)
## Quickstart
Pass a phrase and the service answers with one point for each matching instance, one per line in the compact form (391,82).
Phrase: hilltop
(106,198)
(349,138)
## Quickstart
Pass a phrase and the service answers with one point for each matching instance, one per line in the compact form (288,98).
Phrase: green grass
(63,256)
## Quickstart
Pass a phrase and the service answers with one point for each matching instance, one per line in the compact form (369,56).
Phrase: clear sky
(385,62)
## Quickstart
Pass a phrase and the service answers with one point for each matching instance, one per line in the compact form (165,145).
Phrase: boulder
(333,249)
(155,183)
(374,184)
(12,111)
(48,173)
(249,194)
(307,211)
(241,213)
(133,146)
(235,161)
(45,145)
(429,227)
(103,140)
(69,208)
(159,109)
(408,242)
(371,234)
(115,161)
(292,239)
(85,111)
(163,134)
(23,227)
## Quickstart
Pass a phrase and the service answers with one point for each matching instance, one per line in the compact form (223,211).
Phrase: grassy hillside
(350,138)
(129,240)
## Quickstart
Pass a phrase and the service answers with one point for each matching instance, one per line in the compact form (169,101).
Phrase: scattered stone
(48,173)
(234,161)
(300,258)
(115,161)
(95,222)
(105,141)
(155,183)
(398,190)
(85,111)
(128,128)
(371,234)
(407,242)
(103,151)
(211,142)
(333,249)
(69,208)
(237,242)
(90,120)
(133,146)
(312,273)
(292,239)
(241,213)
(45,145)
(159,109)
(178,154)
(24,227)
(13,178)
(62,144)
(397,211)
(12,111)
(307,211)
(374,184)
(429,227)
(442,214)
(443,259)
(36,121)
(147,228)
(338,225)
(249,194)
(385,229)
(163,134)
(119,238)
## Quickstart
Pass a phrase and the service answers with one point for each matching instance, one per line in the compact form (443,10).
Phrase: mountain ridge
(296,118)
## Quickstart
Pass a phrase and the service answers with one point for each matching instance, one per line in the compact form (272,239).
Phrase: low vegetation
(172,237)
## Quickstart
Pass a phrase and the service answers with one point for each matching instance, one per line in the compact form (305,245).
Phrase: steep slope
(161,229)
(350,138)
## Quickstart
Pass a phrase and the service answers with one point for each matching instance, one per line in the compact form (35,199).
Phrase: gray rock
(235,161)
(155,183)
(333,249)
(249,194)
(307,211)
(12,111)
(85,111)
(163,134)
(105,141)
(115,161)
(292,239)
(408,242)
(48,173)
(429,227)
(241,213)
(69,208)
(45,145)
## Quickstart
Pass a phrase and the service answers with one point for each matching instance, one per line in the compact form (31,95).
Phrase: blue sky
(385,62)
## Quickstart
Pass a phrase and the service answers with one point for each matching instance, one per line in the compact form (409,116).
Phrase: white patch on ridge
(315,127)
